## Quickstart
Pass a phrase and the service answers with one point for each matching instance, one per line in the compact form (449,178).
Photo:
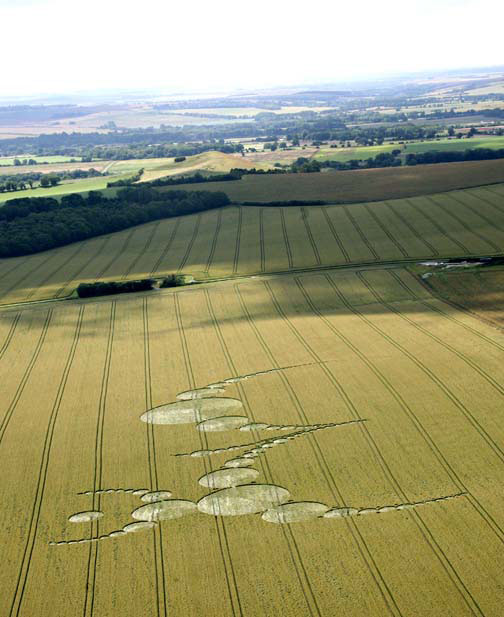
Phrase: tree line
(474,154)
(31,225)
(20,182)
(392,159)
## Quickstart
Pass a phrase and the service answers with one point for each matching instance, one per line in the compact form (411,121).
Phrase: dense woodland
(31,225)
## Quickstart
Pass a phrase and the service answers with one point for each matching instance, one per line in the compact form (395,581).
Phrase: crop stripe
(98,469)
(263,461)
(42,477)
(233,595)
(157,532)
(10,410)
(361,545)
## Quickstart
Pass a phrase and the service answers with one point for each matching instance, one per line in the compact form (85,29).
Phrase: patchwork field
(98,183)
(348,458)
(440,145)
(252,240)
(361,185)
(210,162)
(54,167)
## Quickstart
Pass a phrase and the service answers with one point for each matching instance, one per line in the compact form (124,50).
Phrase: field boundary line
(42,476)
(416,517)
(88,608)
(358,265)
(231,583)
(263,461)
(357,537)
(22,384)
(452,474)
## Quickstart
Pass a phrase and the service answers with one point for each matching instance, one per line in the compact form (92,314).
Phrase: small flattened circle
(156,496)
(85,517)
(223,423)
(190,395)
(239,462)
(135,527)
(226,478)
(164,510)
(296,512)
(341,512)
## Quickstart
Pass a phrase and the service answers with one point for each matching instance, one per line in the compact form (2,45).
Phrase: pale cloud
(55,46)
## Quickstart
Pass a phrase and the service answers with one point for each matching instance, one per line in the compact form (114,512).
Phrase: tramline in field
(277,435)
(253,240)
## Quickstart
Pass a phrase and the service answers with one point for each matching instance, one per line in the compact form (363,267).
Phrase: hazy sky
(63,46)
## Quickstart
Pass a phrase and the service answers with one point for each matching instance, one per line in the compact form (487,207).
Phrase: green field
(361,153)
(67,186)
(9,160)
(444,145)
(212,162)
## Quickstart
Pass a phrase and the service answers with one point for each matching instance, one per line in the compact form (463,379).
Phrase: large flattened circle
(193,411)
(245,499)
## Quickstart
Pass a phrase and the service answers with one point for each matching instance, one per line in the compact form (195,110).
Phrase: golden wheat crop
(250,240)
(316,444)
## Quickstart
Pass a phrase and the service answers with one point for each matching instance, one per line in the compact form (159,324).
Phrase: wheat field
(348,457)
(252,240)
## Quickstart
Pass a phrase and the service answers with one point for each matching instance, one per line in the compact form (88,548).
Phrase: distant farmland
(251,240)
(362,185)
(443,145)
